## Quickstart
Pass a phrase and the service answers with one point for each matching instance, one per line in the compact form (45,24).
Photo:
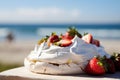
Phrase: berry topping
(95,67)
(96,42)
(88,38)
(116,59)
(64,42)
(53,38)
(110,67)
(71,32)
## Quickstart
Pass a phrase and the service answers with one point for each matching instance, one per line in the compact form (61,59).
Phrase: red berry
(71,32)
(116,59)
(110,66)
(117,65)
(68,36)
(96,42)
(95,67)
(65,42)
(88,38)
(53,38)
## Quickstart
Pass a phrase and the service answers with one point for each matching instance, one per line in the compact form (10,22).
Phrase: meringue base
(51,68)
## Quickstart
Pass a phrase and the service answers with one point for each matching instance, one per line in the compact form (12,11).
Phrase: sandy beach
(15,52)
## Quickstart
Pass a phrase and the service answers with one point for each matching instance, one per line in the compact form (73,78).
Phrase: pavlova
(70,53)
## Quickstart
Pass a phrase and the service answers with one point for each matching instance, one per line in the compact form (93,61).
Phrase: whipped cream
(79,51)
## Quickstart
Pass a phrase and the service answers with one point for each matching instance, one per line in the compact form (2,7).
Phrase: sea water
(37,31)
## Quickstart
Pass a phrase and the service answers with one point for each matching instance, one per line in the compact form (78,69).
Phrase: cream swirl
(78,51)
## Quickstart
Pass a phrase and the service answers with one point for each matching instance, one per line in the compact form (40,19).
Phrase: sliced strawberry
(53,38)
(71,32)
(96,42)
(65,42)
(68,36)
(88,38)
(95,67)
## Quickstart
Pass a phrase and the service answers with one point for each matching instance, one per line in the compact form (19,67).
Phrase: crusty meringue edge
(52,68)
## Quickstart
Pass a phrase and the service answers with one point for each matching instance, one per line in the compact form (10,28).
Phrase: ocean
(37,31)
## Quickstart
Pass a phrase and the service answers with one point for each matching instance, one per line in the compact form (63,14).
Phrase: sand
(15,52)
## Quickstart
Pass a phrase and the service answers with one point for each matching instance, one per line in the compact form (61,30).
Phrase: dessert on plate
(67,53)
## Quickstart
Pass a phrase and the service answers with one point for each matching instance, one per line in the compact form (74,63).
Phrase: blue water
(36,31)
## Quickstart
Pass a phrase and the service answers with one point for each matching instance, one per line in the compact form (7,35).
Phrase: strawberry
(53,38)
(110,67)
(96,42)
(70,34)
(95,67)
(116,59)
(65,42)
(88,38)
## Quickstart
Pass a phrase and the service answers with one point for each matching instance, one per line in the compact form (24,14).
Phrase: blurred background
(24,22)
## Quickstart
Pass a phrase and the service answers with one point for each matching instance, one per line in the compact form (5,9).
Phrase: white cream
(79,52)
(77,48)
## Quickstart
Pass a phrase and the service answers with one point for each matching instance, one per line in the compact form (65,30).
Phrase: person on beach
(10,37)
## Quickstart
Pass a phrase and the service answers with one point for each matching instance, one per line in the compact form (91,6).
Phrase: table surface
(21,73)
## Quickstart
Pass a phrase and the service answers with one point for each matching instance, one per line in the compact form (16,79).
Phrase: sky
(59,11)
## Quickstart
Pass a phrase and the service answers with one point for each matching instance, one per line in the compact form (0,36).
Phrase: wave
(4,32)
(37,32)
(48,31)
